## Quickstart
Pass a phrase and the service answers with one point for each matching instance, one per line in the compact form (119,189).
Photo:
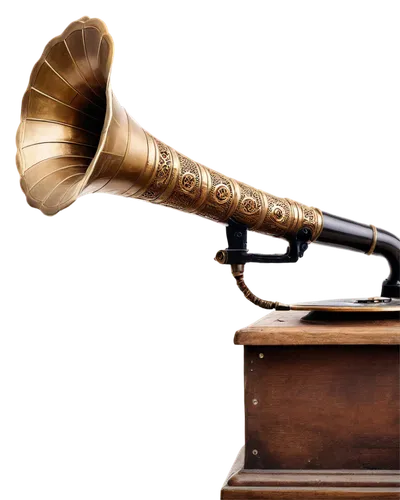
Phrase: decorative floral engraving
(278,217)
(278,214)
(187,189)
(163,173)
(222,198)
(219,199)
(222,193)
(188,182)
(310,219)
(249,206)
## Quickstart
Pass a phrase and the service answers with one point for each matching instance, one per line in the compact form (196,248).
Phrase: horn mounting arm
(237,255)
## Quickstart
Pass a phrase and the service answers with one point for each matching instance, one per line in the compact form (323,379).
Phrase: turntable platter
(350,304)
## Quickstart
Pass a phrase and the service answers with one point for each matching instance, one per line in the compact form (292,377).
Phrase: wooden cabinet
(322,410)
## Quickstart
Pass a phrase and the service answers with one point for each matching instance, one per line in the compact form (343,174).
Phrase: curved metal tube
(238,273)
(345,233)
(337,231)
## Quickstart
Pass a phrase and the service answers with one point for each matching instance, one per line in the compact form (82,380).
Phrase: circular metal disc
(375,304)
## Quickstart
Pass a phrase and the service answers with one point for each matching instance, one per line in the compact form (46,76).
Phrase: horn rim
(75,25)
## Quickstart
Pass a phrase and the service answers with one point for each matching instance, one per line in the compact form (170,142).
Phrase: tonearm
(237,255)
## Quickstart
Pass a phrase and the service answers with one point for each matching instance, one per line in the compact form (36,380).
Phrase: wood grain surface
(322,407)
(288,328)
(326,479)
(300,493)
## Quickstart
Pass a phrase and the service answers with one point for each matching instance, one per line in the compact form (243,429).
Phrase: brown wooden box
(322,410)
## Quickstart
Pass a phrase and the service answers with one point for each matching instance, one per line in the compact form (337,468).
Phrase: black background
(119,353)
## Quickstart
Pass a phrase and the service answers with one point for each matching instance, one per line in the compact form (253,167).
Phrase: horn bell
(74,137)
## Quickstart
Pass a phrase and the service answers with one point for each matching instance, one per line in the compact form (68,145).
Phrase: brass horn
(75,138)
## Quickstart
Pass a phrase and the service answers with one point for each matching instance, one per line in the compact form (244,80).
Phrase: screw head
(255,402)
(261,355)
(255,452)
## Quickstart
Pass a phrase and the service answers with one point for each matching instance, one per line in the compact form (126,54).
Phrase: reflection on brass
(75,138)
(238,274)
(374,240)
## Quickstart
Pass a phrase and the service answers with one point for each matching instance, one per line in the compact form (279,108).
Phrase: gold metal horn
(75,138)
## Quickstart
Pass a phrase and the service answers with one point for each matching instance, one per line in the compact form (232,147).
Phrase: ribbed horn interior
(64,114)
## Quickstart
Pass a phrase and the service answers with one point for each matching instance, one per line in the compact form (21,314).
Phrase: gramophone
(75,139)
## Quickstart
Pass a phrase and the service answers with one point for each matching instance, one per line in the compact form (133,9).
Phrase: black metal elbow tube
(360,237)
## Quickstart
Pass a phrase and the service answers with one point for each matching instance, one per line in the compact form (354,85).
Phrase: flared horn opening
(66,113)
